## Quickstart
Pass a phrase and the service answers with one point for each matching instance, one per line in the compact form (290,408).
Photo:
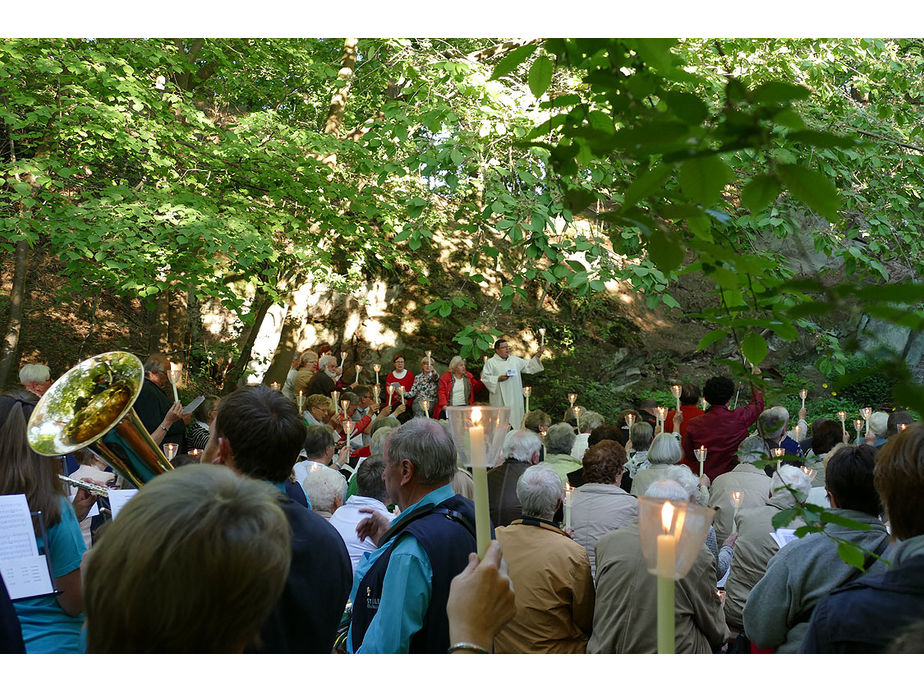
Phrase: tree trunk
(289,339)
(338,102)
(261,303)
(176,323)
(10,348)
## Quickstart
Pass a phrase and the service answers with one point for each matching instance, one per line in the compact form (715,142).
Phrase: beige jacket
(597,509)
(626,613)
(755,484)
(752,552)
(554,591)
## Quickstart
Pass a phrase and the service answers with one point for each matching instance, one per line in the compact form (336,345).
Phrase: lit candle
(301,401)
(348,429)
(343,356)
(567,505)
(174,376)
(376,391)
(527,391)
(425,403)
(480,479)
(802,395)
(377,367)
(630,421)
(842,415)
(335,398)
(701,456)
(358,369)
(401,392)
(778,454)
(572,398)
(902,427)
(858,424)
(275,385)
(194,452)
(485,357)
(736,499)
(808,471)
(577,418)
(703,404)
(667,558)
(662,414)
(866,412)
(390,389)
(541,338)
(429,359)
(170,450)
(676,390)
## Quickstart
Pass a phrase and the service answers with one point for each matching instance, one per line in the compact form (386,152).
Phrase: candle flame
(866,412)
(348,427)
(358,367)
(377,367)
(778,452)
(842,415)
(572,398)
(662,412)
(803,393)
(630,419)
(476,415)
(858,424)
(527,391)
(736,497)
(667,514)
(676,390)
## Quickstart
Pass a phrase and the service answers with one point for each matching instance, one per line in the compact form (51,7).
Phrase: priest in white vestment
(501,375)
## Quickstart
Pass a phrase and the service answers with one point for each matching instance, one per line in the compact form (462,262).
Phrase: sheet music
(783,536)
(118,498)
(24,571)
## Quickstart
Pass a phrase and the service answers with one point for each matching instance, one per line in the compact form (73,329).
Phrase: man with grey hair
(319,449)
(773,425)
(558,443)
(755,545)
(162,418)
(324,488)
(747,478)
(625,613)
(400,590)
(325,380)
(521,451)
(550,574)
(36,378)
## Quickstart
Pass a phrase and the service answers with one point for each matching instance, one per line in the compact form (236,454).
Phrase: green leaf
(512,60)
(754,348)
(784,517)
(665,250)
(759,192)
(703,178)
(779,92)
(851,554)
(540,75)
(688,107)
(646,183)
(811,188)
(710,338)
(824,140)
(656,52)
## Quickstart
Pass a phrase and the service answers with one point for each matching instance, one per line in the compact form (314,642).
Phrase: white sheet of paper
(191,407)
(783,536)
(17,536)
(24,571)
(118,498)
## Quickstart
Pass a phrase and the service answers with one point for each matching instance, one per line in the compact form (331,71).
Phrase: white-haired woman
(664,453)
(457,387)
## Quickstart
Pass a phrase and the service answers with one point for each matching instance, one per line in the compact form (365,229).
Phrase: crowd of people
(325,516)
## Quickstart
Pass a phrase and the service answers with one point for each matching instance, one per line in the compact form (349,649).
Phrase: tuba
(92,406)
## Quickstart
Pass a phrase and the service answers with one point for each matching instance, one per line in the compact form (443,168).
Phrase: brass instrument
(92,406)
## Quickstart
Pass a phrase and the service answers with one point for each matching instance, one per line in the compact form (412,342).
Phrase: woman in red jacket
(457,387)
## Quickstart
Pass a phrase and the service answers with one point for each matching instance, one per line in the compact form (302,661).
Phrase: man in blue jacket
(867,615)
(400,590)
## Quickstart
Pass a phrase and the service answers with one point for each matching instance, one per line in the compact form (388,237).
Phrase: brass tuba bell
(92,406)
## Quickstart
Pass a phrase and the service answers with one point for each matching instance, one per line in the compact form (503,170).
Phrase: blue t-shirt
(46,628)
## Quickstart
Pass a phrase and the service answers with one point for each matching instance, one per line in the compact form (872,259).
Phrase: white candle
(348,428)
(390,389)
(802,395)
(541,338)
(662,414)
(567,505)
(343,356)
(577,418)
(358,369)
(480,479)
(701,456)
(677,389)
(301,401)
(429,359)
(425,403)
(736,499)
(842,415)
(866,412)
(401,392)
(376,368)
(527,391)
(170,450)
(335,398)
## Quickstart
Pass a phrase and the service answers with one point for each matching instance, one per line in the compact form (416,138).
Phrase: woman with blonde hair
(195,563)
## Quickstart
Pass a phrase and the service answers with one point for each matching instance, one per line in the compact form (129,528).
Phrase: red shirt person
(689,400)
(457,387)
(720,430)
(400,378)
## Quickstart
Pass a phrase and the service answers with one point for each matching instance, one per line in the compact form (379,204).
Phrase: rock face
(875,334)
